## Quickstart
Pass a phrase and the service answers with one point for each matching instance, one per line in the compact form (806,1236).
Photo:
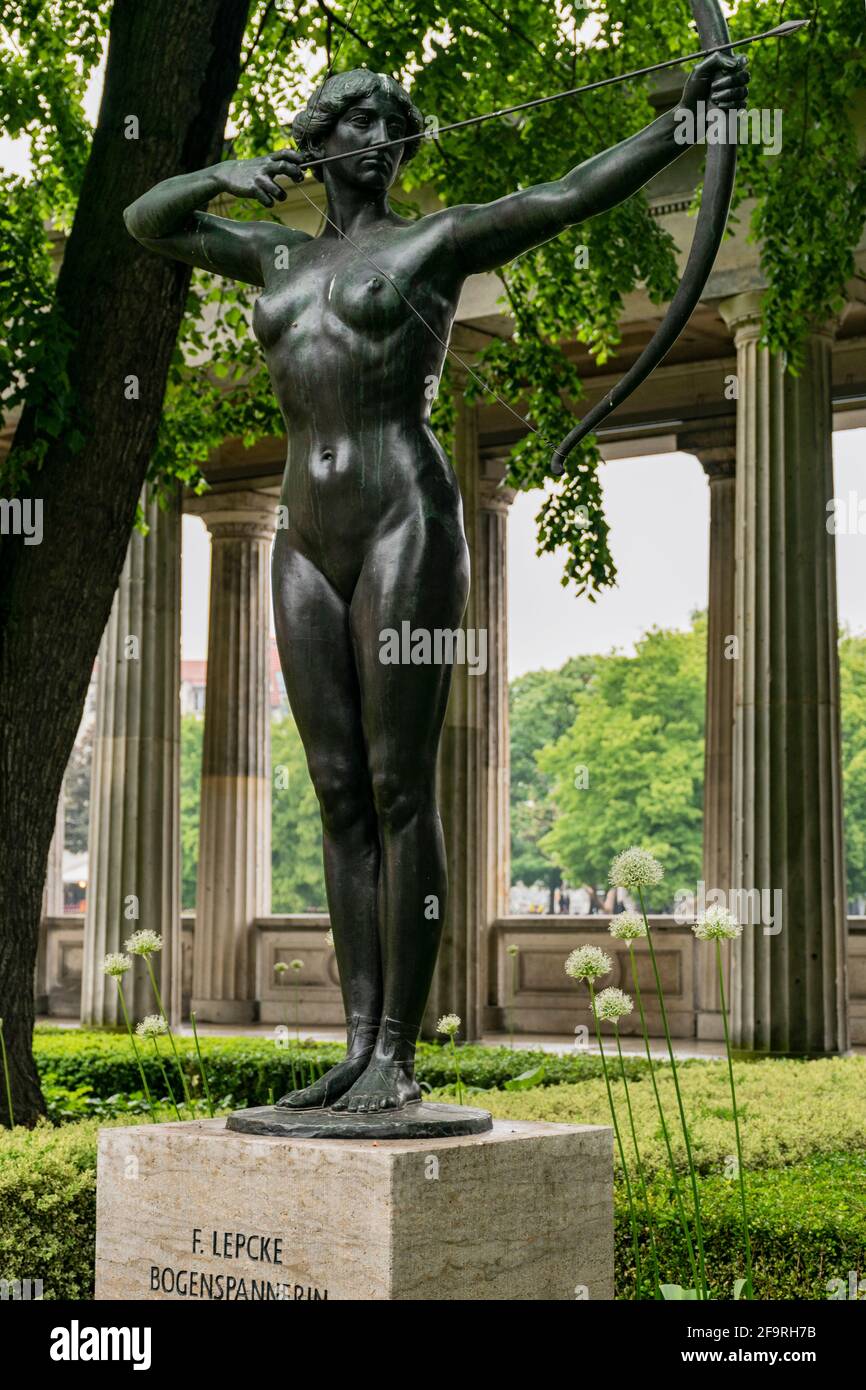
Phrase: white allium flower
(329,937)
(612,1004)
(448,1024)
(280,968)
(512,950)
(717,924)
(627,926)
(635,868)
(588,963)
(153,1026)
(116,964)
(144,943)
(296,965)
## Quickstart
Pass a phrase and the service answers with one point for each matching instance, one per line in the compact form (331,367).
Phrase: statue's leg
(418,574)
(315,644)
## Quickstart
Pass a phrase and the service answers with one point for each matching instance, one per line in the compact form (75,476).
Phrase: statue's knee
(399,798)
(343,800)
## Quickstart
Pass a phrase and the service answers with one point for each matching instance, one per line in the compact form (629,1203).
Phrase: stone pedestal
(234,864)
(193,1211)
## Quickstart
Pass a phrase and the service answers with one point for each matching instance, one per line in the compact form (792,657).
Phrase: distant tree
(541,708)
(629,769)
(852,675)
(76,785)
(298,882)
(191,738)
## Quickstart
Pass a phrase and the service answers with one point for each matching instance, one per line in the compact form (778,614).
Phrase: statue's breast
(365,298)
(329,296)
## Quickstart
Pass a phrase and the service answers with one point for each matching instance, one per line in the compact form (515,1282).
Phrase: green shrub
(48,1201)
(789,1111)
(250,1069)
(807,1226)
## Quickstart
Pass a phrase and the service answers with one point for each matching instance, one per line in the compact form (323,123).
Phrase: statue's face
(367,122)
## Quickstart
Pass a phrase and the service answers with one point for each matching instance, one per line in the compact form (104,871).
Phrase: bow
(719,175)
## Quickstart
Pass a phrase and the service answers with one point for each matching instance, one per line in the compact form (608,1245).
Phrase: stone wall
(544,1001)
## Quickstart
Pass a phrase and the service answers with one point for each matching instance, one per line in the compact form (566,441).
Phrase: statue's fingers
(285,168)
(725,85)
(259,191)
(272,189)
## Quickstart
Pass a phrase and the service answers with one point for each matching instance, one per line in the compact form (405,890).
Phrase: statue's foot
(361,1033)
(328,1087)
(385,1085)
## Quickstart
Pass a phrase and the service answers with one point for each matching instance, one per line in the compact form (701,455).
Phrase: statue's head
(351,111)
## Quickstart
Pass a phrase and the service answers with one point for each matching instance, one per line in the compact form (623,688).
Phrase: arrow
(791,26)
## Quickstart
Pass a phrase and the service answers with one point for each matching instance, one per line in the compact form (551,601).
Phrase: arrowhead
(789,27)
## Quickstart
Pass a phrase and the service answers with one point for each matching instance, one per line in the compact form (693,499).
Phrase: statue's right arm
(170,218)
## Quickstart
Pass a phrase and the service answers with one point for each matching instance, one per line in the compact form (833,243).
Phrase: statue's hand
(720,80)
(256,178)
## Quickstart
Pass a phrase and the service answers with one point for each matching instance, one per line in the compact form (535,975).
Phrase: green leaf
(527,1079)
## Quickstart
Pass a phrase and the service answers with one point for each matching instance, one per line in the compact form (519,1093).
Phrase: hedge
(789,1111)
(807,1226)
(252,1069)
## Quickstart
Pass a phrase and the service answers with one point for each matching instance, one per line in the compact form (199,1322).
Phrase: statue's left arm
(489,235)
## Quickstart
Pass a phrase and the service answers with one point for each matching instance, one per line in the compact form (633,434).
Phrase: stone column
(714,444)
(494,501)
(456,983)
(789,986)
(134,835)
(234,865)
(52,895)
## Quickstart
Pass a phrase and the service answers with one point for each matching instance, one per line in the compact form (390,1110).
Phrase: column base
(709,1026)
(522,1212)
(224,1010)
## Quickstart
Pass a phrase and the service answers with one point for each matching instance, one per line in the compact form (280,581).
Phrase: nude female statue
(375,531)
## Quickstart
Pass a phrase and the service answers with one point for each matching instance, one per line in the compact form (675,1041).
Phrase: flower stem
(201,1066)
(675,1179)
(640,1169)
(161,1008)
(457,1072)
(512,992)
(703,1291)
(165,1077)
(6,1077)
(747,1244)
(153,1115)
(637,1264)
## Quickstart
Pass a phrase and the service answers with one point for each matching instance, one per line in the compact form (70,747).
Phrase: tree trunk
(173,67)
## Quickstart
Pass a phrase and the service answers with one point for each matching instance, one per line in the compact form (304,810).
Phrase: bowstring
(485,385)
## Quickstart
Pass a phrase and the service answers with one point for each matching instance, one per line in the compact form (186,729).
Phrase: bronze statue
(354,324)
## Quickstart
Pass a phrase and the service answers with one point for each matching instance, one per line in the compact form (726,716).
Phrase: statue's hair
(335,95)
